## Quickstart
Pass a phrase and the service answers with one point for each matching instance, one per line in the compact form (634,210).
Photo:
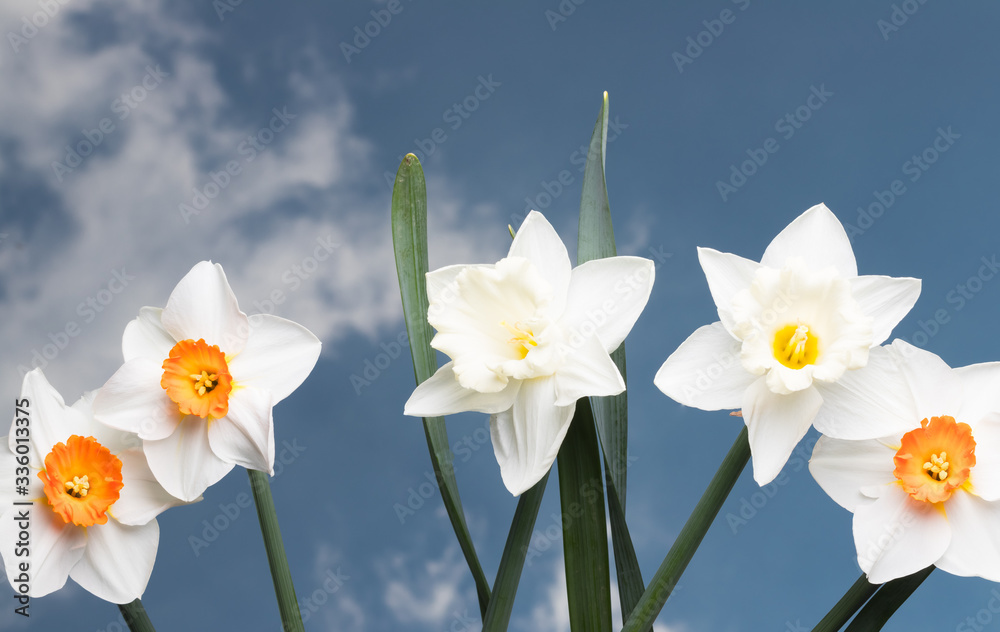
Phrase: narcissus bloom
(527,337)
(200,379)
(789,326)
(94,499)
(928,491)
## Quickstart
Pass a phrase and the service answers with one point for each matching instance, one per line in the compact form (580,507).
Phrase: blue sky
(843,99)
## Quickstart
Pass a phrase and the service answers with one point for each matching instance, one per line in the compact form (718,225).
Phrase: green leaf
(596,240)
(585,535)
(512,562)
(670,571)
(886,601)
(288,604)
(409,240)
(851,602)
(135,617)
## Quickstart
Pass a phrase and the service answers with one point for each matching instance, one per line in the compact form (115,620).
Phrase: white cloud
(431,595)
(120,207)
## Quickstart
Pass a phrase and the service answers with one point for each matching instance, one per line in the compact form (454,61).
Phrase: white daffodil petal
(727,275)
(146,336)
(441,287)
(816,236)
(886,300)
(896,536)
(985,475)
(705,371)
(537,241)
(141,498)
(245,436)
(975,539)
(441,394)
(606,297)
(776,424)
(132,400)
(981,390)
(203,305)
(55,547)
(184,463)
(278,356)
(874,401)
(936,389)
(527,437)
(588,371)
(44,403)
(843,468)
(118,560)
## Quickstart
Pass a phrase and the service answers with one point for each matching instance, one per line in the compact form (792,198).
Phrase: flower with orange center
(199,381)
(935,459)
(95,500)
(196,377)
(82,480)
(924,493)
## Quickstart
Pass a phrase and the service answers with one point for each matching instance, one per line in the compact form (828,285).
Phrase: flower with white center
(789,327)
(200,379)
(928,490)
(89,500)
(527,337)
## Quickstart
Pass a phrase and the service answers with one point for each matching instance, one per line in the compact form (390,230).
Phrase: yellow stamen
(524,339)
(795,346)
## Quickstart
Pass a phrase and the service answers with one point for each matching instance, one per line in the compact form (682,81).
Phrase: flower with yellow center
(928,491)
(200,379)
(94,500)
(527,337)
(789,327)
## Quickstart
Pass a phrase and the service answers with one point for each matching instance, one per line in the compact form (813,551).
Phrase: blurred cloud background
(138,138)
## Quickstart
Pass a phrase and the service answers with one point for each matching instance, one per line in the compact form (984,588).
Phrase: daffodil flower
(200,379)
(928,491)
(789,326)
(527,337)
(89,501)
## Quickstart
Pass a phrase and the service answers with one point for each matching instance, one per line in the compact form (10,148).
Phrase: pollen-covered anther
(795,346)
(78,487)
(524,339)
(937,467)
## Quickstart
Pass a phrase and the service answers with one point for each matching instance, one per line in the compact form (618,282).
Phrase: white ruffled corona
(527,337)
(790,325)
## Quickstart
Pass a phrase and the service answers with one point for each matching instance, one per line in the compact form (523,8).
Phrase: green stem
(135,616)
(291,619)
(886,601)
(663,583)
(851,602)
